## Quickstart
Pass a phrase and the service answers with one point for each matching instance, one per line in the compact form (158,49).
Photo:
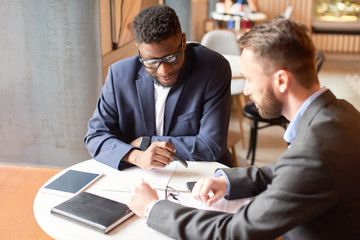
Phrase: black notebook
(93,210)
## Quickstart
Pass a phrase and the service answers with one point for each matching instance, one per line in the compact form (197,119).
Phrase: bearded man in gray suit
(311,192)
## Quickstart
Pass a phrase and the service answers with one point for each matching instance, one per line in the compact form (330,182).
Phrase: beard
(156,79)
(270,106)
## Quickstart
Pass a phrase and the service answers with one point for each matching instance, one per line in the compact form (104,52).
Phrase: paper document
(125,180)
(223,205)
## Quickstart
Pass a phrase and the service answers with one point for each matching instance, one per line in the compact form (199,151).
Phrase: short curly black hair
(156,23)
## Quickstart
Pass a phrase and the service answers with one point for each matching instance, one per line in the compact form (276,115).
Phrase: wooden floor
(18,188)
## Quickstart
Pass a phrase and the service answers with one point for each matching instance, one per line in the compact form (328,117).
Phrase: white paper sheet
(125,180)
(223,205)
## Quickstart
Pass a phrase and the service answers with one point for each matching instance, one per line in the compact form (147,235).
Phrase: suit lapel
(145,91)
(170,106)
(175,93)
(322,100)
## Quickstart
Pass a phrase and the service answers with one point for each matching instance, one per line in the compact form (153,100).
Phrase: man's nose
(247,91)
(163,69)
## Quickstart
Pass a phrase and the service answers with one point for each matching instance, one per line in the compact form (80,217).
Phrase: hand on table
(142,195)
(204,186)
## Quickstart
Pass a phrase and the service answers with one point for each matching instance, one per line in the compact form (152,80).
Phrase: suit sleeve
(301,189)
(102,139)
(251,180)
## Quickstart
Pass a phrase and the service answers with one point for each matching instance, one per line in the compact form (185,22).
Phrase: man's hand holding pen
(180,159)
(157,155)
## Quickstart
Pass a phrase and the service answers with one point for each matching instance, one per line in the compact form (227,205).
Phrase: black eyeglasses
(171,192)
(154,63)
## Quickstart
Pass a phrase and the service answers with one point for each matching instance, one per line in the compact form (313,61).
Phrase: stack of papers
(159,179)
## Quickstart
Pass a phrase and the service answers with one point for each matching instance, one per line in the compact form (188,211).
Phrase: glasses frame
(169,191)
(163,59)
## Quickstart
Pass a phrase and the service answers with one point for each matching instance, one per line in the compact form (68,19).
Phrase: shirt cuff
(220,173)
(149,208)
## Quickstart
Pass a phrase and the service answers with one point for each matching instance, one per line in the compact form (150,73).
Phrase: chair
(250,111)
(221,41)
(287,14)
(233,138)
(225,43)
(319,60)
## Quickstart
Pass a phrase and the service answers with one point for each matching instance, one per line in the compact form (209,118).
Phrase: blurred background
(54,57)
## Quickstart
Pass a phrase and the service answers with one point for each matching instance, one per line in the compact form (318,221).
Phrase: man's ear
(282,80)
(184,40)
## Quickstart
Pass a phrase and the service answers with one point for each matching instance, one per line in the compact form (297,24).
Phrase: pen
(181,160)
(129,189)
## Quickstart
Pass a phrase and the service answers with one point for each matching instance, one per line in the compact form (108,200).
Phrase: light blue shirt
(290,132)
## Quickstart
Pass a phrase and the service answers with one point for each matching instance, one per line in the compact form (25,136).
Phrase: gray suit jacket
(311,192)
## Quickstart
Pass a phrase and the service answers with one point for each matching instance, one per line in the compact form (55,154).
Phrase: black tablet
(71,182)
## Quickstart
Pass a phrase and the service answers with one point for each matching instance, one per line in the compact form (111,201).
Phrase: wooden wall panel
(337,43)
(105,20)
(199,14)
(301,9)
(302,12)
(126,43)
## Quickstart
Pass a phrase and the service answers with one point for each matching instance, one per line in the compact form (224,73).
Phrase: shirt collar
(290,132)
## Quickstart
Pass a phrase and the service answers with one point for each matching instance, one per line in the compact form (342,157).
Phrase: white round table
(134,228)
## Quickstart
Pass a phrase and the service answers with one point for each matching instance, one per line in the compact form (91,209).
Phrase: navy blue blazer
(197,110)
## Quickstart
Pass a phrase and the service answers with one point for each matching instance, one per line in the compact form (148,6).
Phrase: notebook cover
(96,211)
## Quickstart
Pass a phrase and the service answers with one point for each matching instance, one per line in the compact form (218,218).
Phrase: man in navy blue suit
(173,96)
